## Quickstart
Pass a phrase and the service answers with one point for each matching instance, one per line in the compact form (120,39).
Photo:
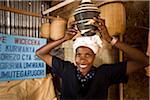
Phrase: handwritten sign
(18,60)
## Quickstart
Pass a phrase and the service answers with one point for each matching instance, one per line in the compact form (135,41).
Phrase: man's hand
(71,31)
(100,24)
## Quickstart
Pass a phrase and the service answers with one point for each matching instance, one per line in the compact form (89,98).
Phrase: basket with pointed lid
(83,16)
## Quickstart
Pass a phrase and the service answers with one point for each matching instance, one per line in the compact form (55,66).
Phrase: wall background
(137,15)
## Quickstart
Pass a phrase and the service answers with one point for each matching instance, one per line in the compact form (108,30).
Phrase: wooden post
(24,12)
(121,59)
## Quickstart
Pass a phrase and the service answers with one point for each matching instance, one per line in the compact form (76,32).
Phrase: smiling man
(82,80)
(85,49)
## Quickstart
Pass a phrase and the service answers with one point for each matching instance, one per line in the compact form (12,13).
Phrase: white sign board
(17,58)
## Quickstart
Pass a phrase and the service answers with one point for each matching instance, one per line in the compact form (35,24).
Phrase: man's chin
(83,68)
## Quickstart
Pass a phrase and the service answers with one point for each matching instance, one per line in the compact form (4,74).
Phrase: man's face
(84,59)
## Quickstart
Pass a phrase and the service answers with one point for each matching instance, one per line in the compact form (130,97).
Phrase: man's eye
(88,55)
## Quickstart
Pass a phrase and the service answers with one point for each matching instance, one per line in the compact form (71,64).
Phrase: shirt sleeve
(59,66)
(117,72)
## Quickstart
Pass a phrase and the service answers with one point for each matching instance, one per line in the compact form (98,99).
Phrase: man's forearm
(133,53)
(48,47)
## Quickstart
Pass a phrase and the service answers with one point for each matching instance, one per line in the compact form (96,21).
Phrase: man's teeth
(83,66)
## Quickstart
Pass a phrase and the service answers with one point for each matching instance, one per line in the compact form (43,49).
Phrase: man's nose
(82,59)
